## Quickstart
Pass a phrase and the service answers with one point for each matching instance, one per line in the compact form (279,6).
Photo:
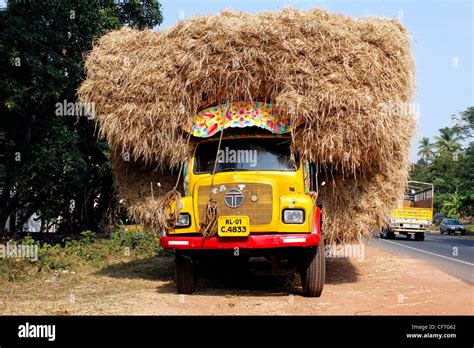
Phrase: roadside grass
(86,253)
(469,229)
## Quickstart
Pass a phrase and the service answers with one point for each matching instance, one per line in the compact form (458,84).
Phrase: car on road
(451,226)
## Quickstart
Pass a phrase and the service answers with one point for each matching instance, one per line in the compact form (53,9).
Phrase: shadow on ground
(341,271)
(223,279)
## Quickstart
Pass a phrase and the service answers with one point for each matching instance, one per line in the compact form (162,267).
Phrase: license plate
(233,226)
(411,225)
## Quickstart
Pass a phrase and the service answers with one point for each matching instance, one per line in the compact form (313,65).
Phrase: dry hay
(348,80)
(142,184)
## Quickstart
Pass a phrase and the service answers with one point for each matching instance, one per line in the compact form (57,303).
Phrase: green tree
(464,126)
(425,149)
(452,204)
(447,141)
(52,164)
(466,175)
(451,166)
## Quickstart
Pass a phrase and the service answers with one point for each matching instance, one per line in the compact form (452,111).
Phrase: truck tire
(185,274)
(313,272)
(420,236)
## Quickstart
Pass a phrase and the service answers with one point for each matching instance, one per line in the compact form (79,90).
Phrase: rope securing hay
(208,227)
(171,215)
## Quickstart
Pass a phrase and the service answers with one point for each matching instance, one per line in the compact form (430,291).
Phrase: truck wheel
(441,231)
(408,236)
(185,274)
(313,272)
(420,236)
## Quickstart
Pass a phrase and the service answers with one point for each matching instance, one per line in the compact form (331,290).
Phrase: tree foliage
(425,149)
(448,163)
(51,162)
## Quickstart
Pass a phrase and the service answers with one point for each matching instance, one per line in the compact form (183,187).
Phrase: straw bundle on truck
(343,85)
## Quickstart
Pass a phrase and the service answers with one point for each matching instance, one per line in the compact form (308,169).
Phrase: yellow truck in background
(414,214)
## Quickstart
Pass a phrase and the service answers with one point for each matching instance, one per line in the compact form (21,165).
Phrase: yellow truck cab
(265,197)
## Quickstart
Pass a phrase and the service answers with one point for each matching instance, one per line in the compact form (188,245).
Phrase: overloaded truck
(254,116)
(266,198)
(414,213)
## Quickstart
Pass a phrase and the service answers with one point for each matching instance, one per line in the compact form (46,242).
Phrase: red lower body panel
(255,241)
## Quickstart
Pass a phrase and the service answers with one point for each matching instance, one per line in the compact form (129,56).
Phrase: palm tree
(447,141)
(425,149)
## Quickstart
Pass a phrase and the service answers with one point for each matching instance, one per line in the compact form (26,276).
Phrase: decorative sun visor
(239,115)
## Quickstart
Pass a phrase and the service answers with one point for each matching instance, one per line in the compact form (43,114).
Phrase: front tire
(388,234)
(313,271)
(420,236)
(185,274)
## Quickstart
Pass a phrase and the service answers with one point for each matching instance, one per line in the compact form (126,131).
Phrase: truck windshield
(244,154)
(454,222)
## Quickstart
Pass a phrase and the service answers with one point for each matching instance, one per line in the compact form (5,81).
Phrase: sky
(442,39)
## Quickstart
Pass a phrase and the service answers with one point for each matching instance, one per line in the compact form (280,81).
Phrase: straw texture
(347,82)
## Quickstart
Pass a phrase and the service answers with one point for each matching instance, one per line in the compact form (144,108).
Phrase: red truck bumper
(255,241)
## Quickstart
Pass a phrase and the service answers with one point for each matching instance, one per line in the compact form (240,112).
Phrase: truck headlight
(293,216)
(184,220)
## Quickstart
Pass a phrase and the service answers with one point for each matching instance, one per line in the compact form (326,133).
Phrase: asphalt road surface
(452,254)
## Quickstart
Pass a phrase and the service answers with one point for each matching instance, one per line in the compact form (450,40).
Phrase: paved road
(452,254)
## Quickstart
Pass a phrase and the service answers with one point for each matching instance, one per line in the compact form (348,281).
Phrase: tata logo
(234,198)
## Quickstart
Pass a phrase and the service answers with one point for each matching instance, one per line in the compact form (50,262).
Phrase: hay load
(340,79)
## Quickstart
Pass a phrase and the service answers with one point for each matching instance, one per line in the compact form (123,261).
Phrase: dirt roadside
(380,284)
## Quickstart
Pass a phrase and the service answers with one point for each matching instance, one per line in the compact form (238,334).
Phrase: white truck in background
(414,214)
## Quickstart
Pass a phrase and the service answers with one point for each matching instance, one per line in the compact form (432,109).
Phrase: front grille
(259,212)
